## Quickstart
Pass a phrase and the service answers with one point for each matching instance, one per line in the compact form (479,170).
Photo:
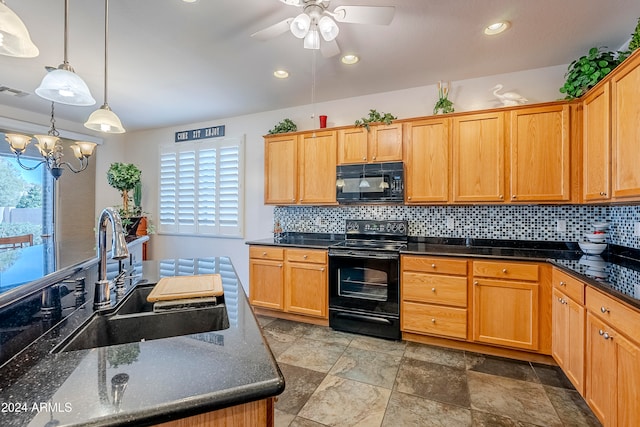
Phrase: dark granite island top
(166,379)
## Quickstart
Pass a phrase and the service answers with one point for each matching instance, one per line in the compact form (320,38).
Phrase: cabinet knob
(364,158)
(513,196)
(560,300)
(264,254)
(433,320)
(562,283)
(280,265)
(433,289)
(433,265)
(304,256)
(504,270)
(475,283)
(501,196)
(409,198)
(374,157)
(322,269)
(604,309)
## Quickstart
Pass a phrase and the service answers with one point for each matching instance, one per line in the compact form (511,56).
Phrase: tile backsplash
(518,222)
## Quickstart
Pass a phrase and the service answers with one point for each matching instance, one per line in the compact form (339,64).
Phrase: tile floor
(339,379)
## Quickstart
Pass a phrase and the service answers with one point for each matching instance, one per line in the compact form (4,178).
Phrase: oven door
(364,281)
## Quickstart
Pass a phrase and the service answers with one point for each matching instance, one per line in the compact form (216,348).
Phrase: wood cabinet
(434,296)
(506,304)
(306,279)
(625,111)
(289,280)
(540,154)
(568,331)
(255,414)
(382,143)
(478,171)
(596,144)
(266,277)
(280,169)
(300,168)
(317,168)
(427,160)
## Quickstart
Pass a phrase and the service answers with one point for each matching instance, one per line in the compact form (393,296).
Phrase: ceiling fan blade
(329,49)
(274,30)
(380,15)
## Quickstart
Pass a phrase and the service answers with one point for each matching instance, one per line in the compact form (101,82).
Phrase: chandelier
(50,149)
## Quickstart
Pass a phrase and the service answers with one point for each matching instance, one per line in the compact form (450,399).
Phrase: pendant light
(62,84)
(103,119)
(14,36)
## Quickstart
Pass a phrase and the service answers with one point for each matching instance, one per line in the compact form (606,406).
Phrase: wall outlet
(636,229)
(561,226)
(450,223)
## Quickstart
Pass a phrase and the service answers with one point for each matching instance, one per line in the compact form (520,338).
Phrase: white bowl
(596,237)
(601,226)
(594,262)
(597,274)
(592,248)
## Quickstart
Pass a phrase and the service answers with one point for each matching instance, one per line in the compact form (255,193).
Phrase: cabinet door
(540,154)
(568,338)
(478,158)
(306,289)
(601,370)
(628,375)
(280,169)
(317,168)
(266,284)
(352,145)
(596,142)
(385,143)
(625,92)
(505,313)
(426,157)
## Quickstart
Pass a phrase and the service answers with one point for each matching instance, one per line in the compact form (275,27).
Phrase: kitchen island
(198,377)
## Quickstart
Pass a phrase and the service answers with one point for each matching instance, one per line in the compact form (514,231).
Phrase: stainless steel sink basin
(134,320)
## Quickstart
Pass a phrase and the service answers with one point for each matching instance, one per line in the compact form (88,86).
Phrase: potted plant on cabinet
(125,177)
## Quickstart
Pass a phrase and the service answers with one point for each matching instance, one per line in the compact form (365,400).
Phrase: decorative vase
(323,122)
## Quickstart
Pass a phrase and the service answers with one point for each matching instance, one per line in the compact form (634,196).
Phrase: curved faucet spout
(119,251)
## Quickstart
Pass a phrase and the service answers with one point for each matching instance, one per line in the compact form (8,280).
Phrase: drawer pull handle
(433,265)
(504,270)
(562,283)
(601,332)
(304,256)
(475,283)
(264,254)
(433,289)
(433,320)
(606,336)
(280,265)
(322,269)
(604,309)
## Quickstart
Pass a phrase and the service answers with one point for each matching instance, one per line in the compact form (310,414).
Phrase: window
(201,188)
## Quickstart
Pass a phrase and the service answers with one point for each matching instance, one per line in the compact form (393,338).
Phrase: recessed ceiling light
(281,74)
(497,28)
(349,59)
(189,1)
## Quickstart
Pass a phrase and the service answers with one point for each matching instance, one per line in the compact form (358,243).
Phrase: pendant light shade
(103,119)
(328,28)
(312,39)
(300,25)
(63,85)
(14,36)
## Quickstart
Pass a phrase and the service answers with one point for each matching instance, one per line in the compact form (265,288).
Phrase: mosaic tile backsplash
(521,222)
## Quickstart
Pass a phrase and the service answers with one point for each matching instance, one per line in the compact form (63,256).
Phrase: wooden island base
(252,414)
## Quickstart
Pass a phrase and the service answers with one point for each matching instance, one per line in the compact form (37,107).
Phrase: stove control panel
(373,227)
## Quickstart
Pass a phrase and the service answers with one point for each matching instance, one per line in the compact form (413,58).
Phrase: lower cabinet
(506,304)
(289,280)
(255,414)
(613,360)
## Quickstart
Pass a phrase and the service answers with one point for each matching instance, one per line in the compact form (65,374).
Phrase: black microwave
(370,183)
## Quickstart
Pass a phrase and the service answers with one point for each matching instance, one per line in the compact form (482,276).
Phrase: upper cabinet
(625,130)
(478,158)
(300,168)
(381,143)
(540,154)
(427,160)
(596,144)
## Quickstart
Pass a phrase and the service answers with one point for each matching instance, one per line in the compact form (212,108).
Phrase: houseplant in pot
(125,177)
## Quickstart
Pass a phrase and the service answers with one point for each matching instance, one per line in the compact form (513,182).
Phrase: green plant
(284,126)
(635,38)
(375,117)
(587,71)
(443,104)
(123,177)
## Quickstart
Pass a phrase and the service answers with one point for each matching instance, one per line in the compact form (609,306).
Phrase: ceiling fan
(316,20)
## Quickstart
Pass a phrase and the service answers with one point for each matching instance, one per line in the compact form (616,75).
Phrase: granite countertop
(168,378)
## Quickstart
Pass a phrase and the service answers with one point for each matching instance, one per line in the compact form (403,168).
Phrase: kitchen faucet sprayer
(102,299)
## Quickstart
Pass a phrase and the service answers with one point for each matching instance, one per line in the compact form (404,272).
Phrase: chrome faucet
(102,297)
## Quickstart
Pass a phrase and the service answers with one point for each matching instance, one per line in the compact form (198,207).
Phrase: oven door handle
(365,318)
(356,254)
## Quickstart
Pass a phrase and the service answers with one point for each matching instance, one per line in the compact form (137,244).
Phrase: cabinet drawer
(307,255)
(435,265)
(434,288)
(506,270)
(568,285)
(266,252)
(618,315)
(433,319)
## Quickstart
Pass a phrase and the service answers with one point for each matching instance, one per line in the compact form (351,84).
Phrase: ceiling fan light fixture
(312,39)
(65,87)
(300,25)
(328,28)
(104,120)
(14,36)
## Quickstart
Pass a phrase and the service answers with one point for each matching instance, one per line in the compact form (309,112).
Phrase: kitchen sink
(134,320)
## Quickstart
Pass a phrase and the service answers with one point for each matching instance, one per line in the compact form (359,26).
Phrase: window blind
(201,188)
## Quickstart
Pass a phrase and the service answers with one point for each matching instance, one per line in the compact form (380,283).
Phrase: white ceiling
(173,63)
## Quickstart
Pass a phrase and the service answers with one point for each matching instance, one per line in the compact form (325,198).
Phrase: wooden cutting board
(180,287)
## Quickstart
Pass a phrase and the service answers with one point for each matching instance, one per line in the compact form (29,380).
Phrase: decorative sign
(191,135)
